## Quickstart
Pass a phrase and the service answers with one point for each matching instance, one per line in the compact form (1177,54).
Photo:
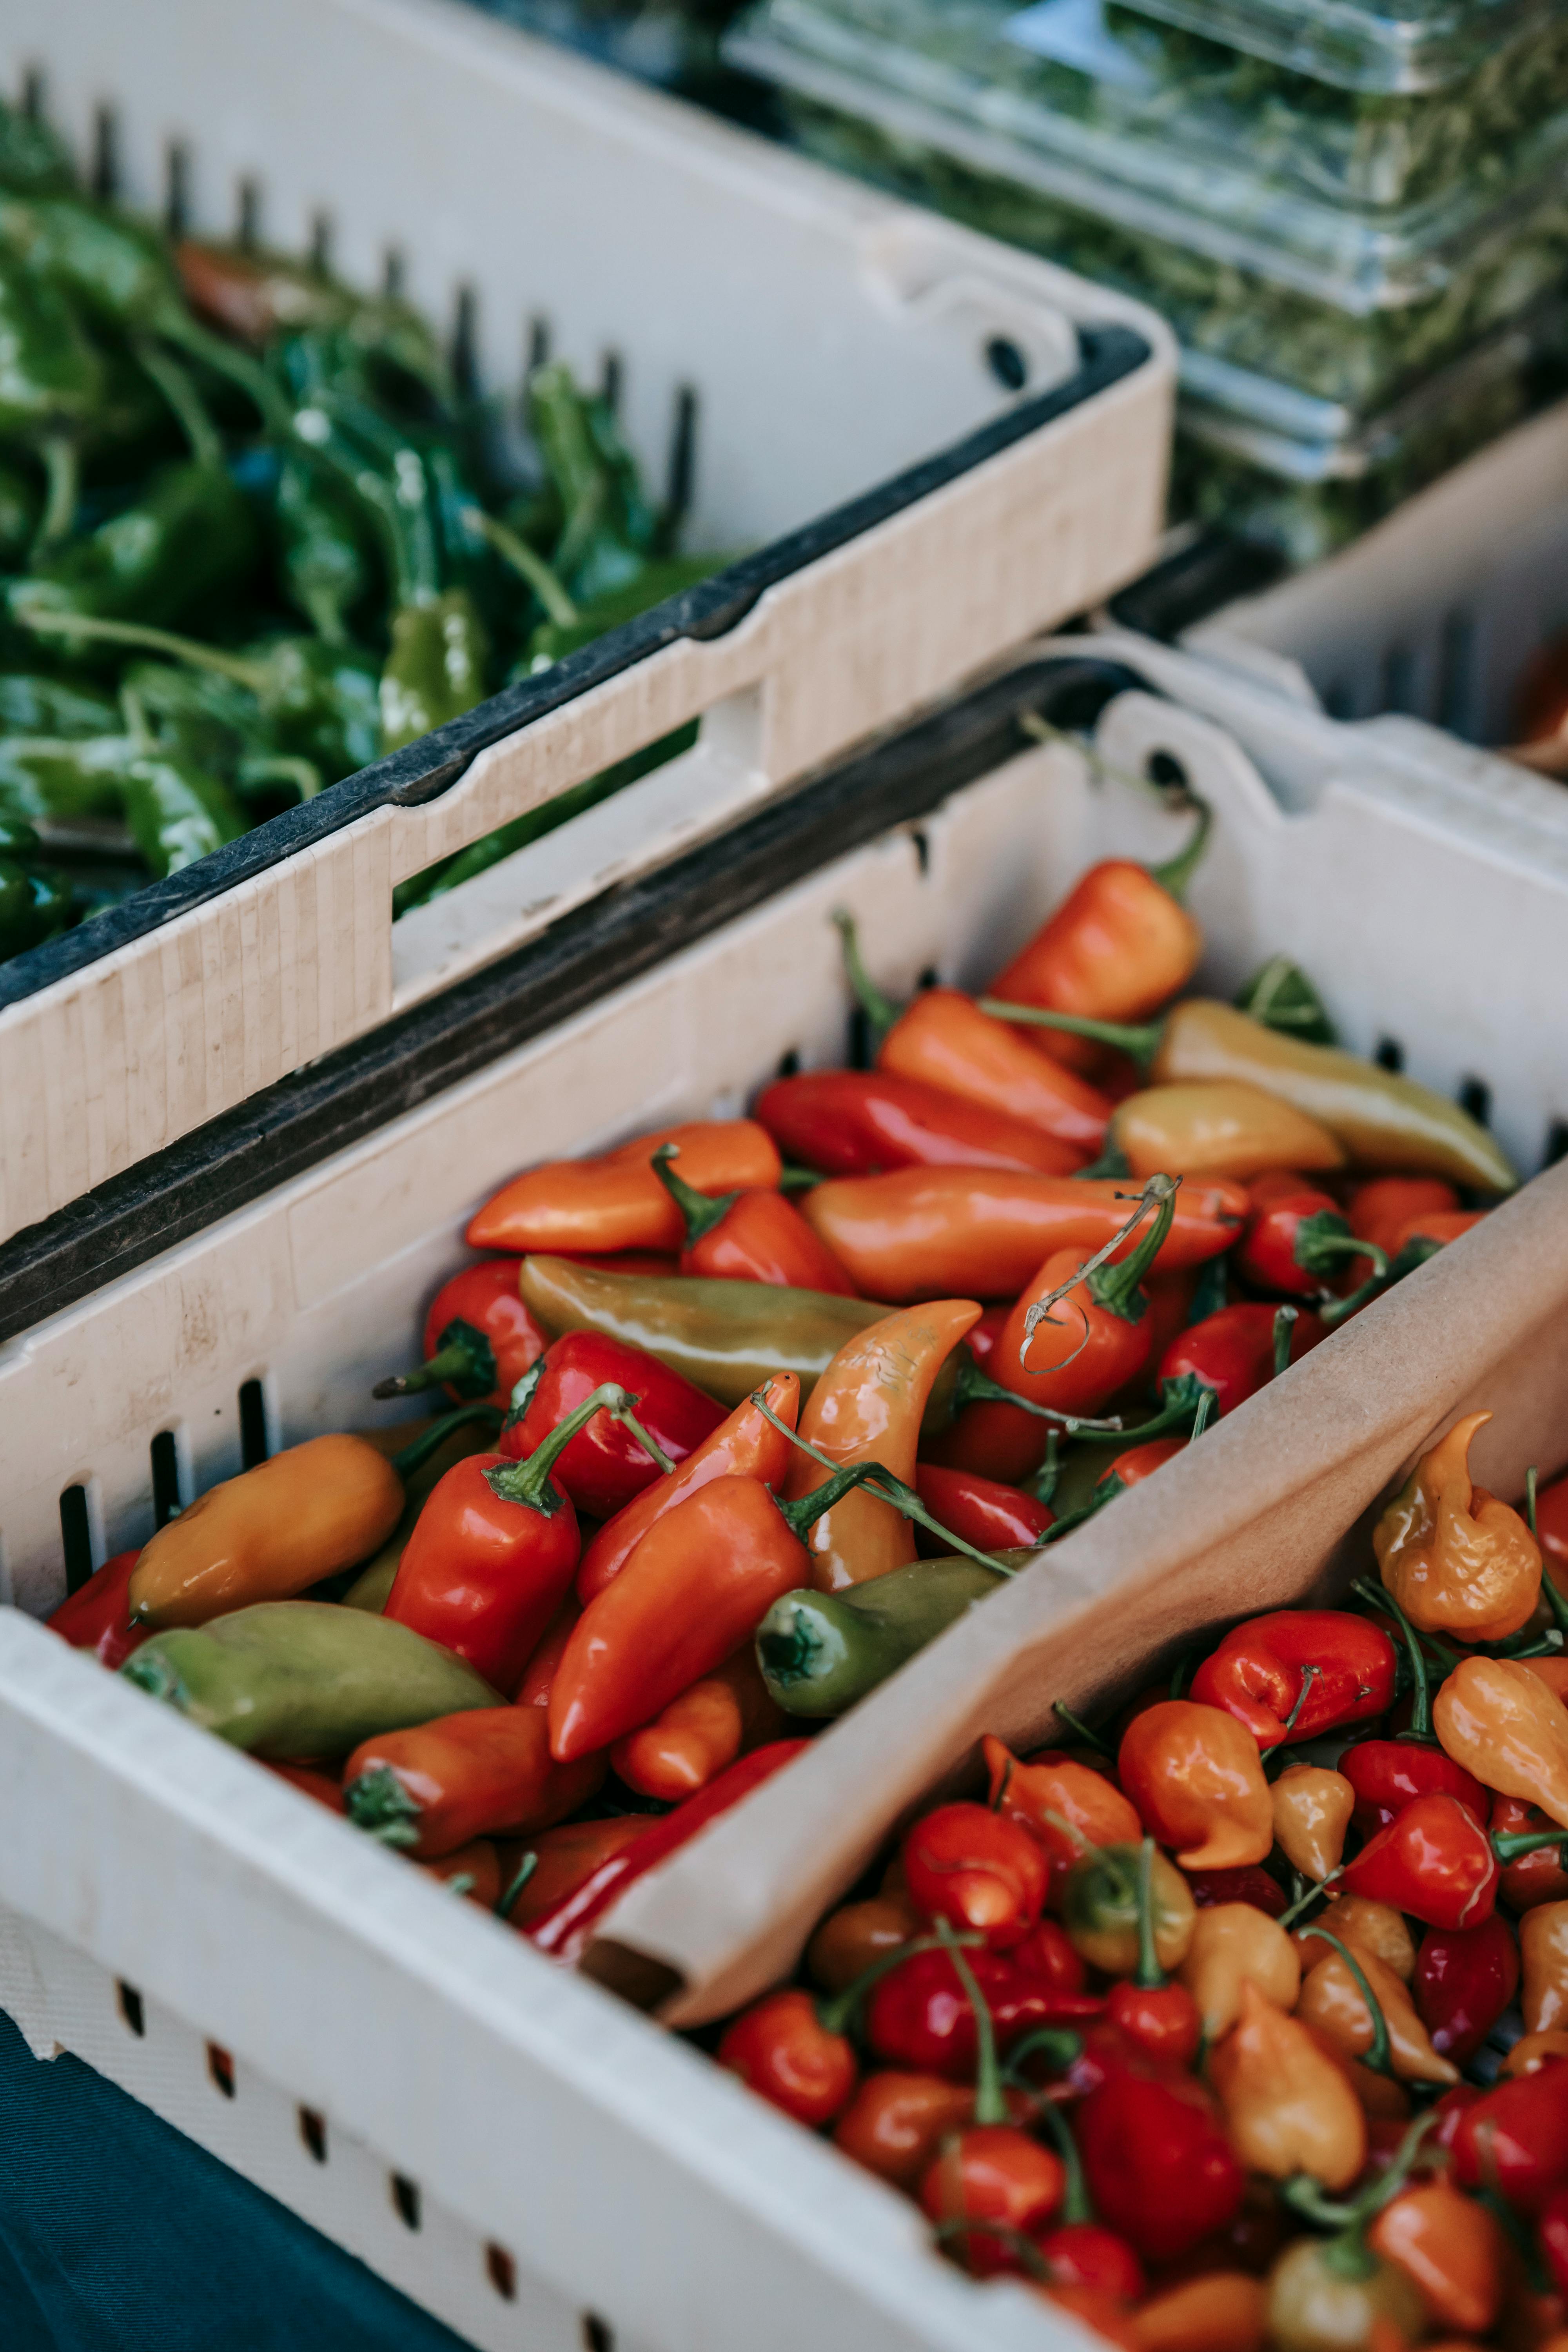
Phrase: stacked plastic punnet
(1354,217)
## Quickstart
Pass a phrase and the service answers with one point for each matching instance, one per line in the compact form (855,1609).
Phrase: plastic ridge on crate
(982,441)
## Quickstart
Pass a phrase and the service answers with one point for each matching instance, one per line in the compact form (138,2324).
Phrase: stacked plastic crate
(1356,218)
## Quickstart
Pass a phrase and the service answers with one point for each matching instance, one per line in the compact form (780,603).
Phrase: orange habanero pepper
(1068,1807)
(1078,1333)
(1494,1716)
(1455,1559)
(1287,2108)
(617,1202)
(1382,1207)
(697,1734)
(1196,1779)
(1450,2247)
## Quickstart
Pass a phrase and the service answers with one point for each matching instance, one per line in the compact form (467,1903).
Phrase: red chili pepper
(1078,1334)
(1164,2020)
(1553,2227)
(1514,2139)
(486,1773)
(616,1203)
(992,2172)
(96,1617)
(781,2049)
(1159,2167)
(1434,1860)
(536,1684)
(1082,2255)
(1382,1208)
(605,1466)
(1232,1353)
(563,1931)
(310,1780)
(479,1337)
(1529,1878)
(1436,1226)
(921,2016)
(1387,1774)
(1310,1669)
(860,1122)
(982,1511)
(492,1554)
(748,1236)
(1046,1958)
(1298,1241)
(1251,1884)
(977,1870)
(1464,1979)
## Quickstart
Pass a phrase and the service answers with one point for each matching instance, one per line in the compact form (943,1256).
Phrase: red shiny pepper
(1514,2139)
(984,1511)
(1434,1860)
(1251,1884)
(1554,2231)
(756,1236)
(1298,1241)
(1082,2255)
(920,2015)
(1314,1668)
(1464,1979)
(1530,1878)
(605,1467)
(1077,1333)
(600,1207)
(859,1122)
(492,1554)
(479,1337)
(781,2049)
(1164,2020)
(1382,1208)
(1159,2167)
(977,1870)
(1387,1774)
(96,1617)
(1232,1353)
(992,2172)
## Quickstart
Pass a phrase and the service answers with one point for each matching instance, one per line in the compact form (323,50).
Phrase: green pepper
(33,904)
(610,527)
(1106,1896)
(52,706)
(820,1652)
(435,669)
(553,639)
(31,156)
(292,1678)
(67,777)
(176,812)
(51,385)
(267,300)
(21,510)
(327,562)
(188,540)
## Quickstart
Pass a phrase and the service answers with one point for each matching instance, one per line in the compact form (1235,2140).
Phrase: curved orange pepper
(617,1202)
(1197,1781)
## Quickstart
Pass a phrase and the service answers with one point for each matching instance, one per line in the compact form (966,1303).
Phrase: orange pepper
(1366,1925)
(851,1937)
(567,1858)
(981,1232)
(1065,1805)
(478,1862)
(1441,1226)
(1552,1672)
(1313,1809)
(1455,1559)
(488,1772)
(896,2122)
(1533,2051)
(748,1236)
(1198,1781)
(310,1779)
(1333,2001)
(1500,1722)
(1235,1944)
(1450,2248)
(1117,948)
(540,1671)
(1287,2107)
(944,1039)
(1217,1128)
(697,1734)
(1385,1205)
(867,1407)
(1543,1949)
(616,1203)
(1224,2311)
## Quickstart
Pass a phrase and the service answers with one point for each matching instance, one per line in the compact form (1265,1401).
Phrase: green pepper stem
(700,1212)
(1074,1723)
(798,1180)
(1305,2195)
(174,383)
(1043,1484)
(1160,1194)
(527,1482)
(1304,1902)
(990,2099)
(506,1903)
(879,1010)
(1117,1285)
(1284,1332)
(1508,1845)
(1377,2055)
(1176,872)
(1378,1597)
(463,1356)
(1332,1245)
(1027,2254)
(1077,2205)
(90,626)
(1309,1676)
(837,2012)
(279,768)
(418,1450)
(62,476)
(379,1803)
(1334,1311)
(1149,1975)
(1141,1041)
(176,326)
(1184,1400)
(974,1386)
(1208,1400)
(546,584)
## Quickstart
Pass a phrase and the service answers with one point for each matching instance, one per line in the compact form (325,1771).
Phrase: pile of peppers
(256,530)
(1240,2025)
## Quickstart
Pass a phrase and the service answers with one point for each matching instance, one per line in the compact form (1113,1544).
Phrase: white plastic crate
(834,364)
(616,2171)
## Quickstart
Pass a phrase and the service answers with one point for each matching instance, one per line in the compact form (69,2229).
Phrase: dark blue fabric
(118,2234)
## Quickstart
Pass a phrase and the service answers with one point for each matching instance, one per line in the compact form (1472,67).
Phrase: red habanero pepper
(984,1511)
(616,1203)
(782,2049)
(1514,2139)
(488,1773)
(1251,1883)
(492,1554)
(1464,1979)
(1233,1352)
(1083,2256)
(605,1466)
(1534,1877)
(745,1445)
(565,1930)
(1389,1774)
(919,2016)
(1551,1526)
(977,1870)
(1297,1241)
(96,1616)
(748,1236)
(860,1122)
(1434,1860)
(982,1233)
(1382,1208)
(1078,1333)
(1159,2165)
(1310,1669)
(479,1337)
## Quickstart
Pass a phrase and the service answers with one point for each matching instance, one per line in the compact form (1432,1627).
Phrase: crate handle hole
(252,1423)
(1006,363)
(405,2197)
(1390,1054)
(131,2008)
(75,1535)
(220,2066)
(789,1063)
(1166,770)
(598,2333)
(501,2272)
(313,2132)
(922,840)
(1476,1098)
(165,1459)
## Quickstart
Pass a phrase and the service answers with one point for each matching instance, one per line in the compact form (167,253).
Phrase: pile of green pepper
(253,534)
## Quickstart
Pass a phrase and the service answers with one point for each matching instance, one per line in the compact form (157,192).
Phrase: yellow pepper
(1533,2051)
(1333,2001)
(1100,1903)
(1219,1129)
(1455,1559)
(1543,1949)
(1366,1925)
(1313,1809)
(1502,1723)
(1287,2107)
(1235,1944)
(1317,2304)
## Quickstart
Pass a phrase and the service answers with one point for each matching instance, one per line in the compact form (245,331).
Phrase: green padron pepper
(65,777)
(435,669)
(820,1652)
(51,385)
(290,1678)
(176,812)
(553,640)
(53,706)
(326,559)
(33,903)
(188,540)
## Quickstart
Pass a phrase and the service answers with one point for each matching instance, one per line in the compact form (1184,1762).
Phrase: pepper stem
(1183,1399)
(378,1803)
(176,326)
(1378,1597)
(879,1010)
(1304,1902)
(1116,1287)
(974,1386)
(525,560)
(1076,2205)
(1284,1332)
(1305,2195)
(1377,2057)
(1334,1311)
(1074,1723)
(528,1482)
(990,2099)
(1309,1676)
(1175,874)
(139,633)
(506,1903)
(1149,1975)
(463,1356)
(1141,1041)
(701,1212)
(1508,1845)
(837,2012)
(1043,1484)
(417,1452)
(173,382)
(62,476)
(1160,1194)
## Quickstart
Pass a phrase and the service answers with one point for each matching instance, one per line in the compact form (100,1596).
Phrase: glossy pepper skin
(1464,1979)
(895,2121)
(1297,1242)
(1380,1209)
(699,1734)
(485,1773)
(1333,2002)
(1451,2249)
(1217,1128)
(1159,2167)
(1312,1811)
(861,1122)
(867,1407)
(1552,1527)
(1543,1949)
(1434,1860)
(616,1203)
(1455,1559)
(1231,1352)
(1196,1777)
(756,1236)
(1234,1945)
(1515,2139)
(985,1512)
(745,1446)
(780,2048)
(96,1616)
(820,1652)
(1072,1343)
(188,538)
(977,1870)
(992,2172)
(1287,2108)
(1103,1901)
(434,667)
(269,1533)
(1389,1774)
(981,1233)
(568,1856)
(1323,1667)
(945,1040)
(919,2014)
(606,1467)
(479,1337)
(1062,1803)
(1538,1876)
(1120,945)
(1495,1714)
(290,1678)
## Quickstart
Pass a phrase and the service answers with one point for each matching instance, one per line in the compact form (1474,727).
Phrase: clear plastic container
(1422,45)
(673,44)
(1341,306)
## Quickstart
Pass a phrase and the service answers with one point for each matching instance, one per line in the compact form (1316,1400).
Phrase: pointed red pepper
(982,1510)
(1233,1352)
(605,1466)
(1387,1774)
(977,1870)
(1298,1241)
(757,1236)
(1464,1979)
(1316,1668)
(479,1337)
(859,1122)
(1434,1860)
(96,1616)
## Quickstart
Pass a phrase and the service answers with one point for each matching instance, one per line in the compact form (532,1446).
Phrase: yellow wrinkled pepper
(1333,2001)
(1455,1559)
(1234,1944)
(1313,1809)
(1287,2107)
(1503,1724)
